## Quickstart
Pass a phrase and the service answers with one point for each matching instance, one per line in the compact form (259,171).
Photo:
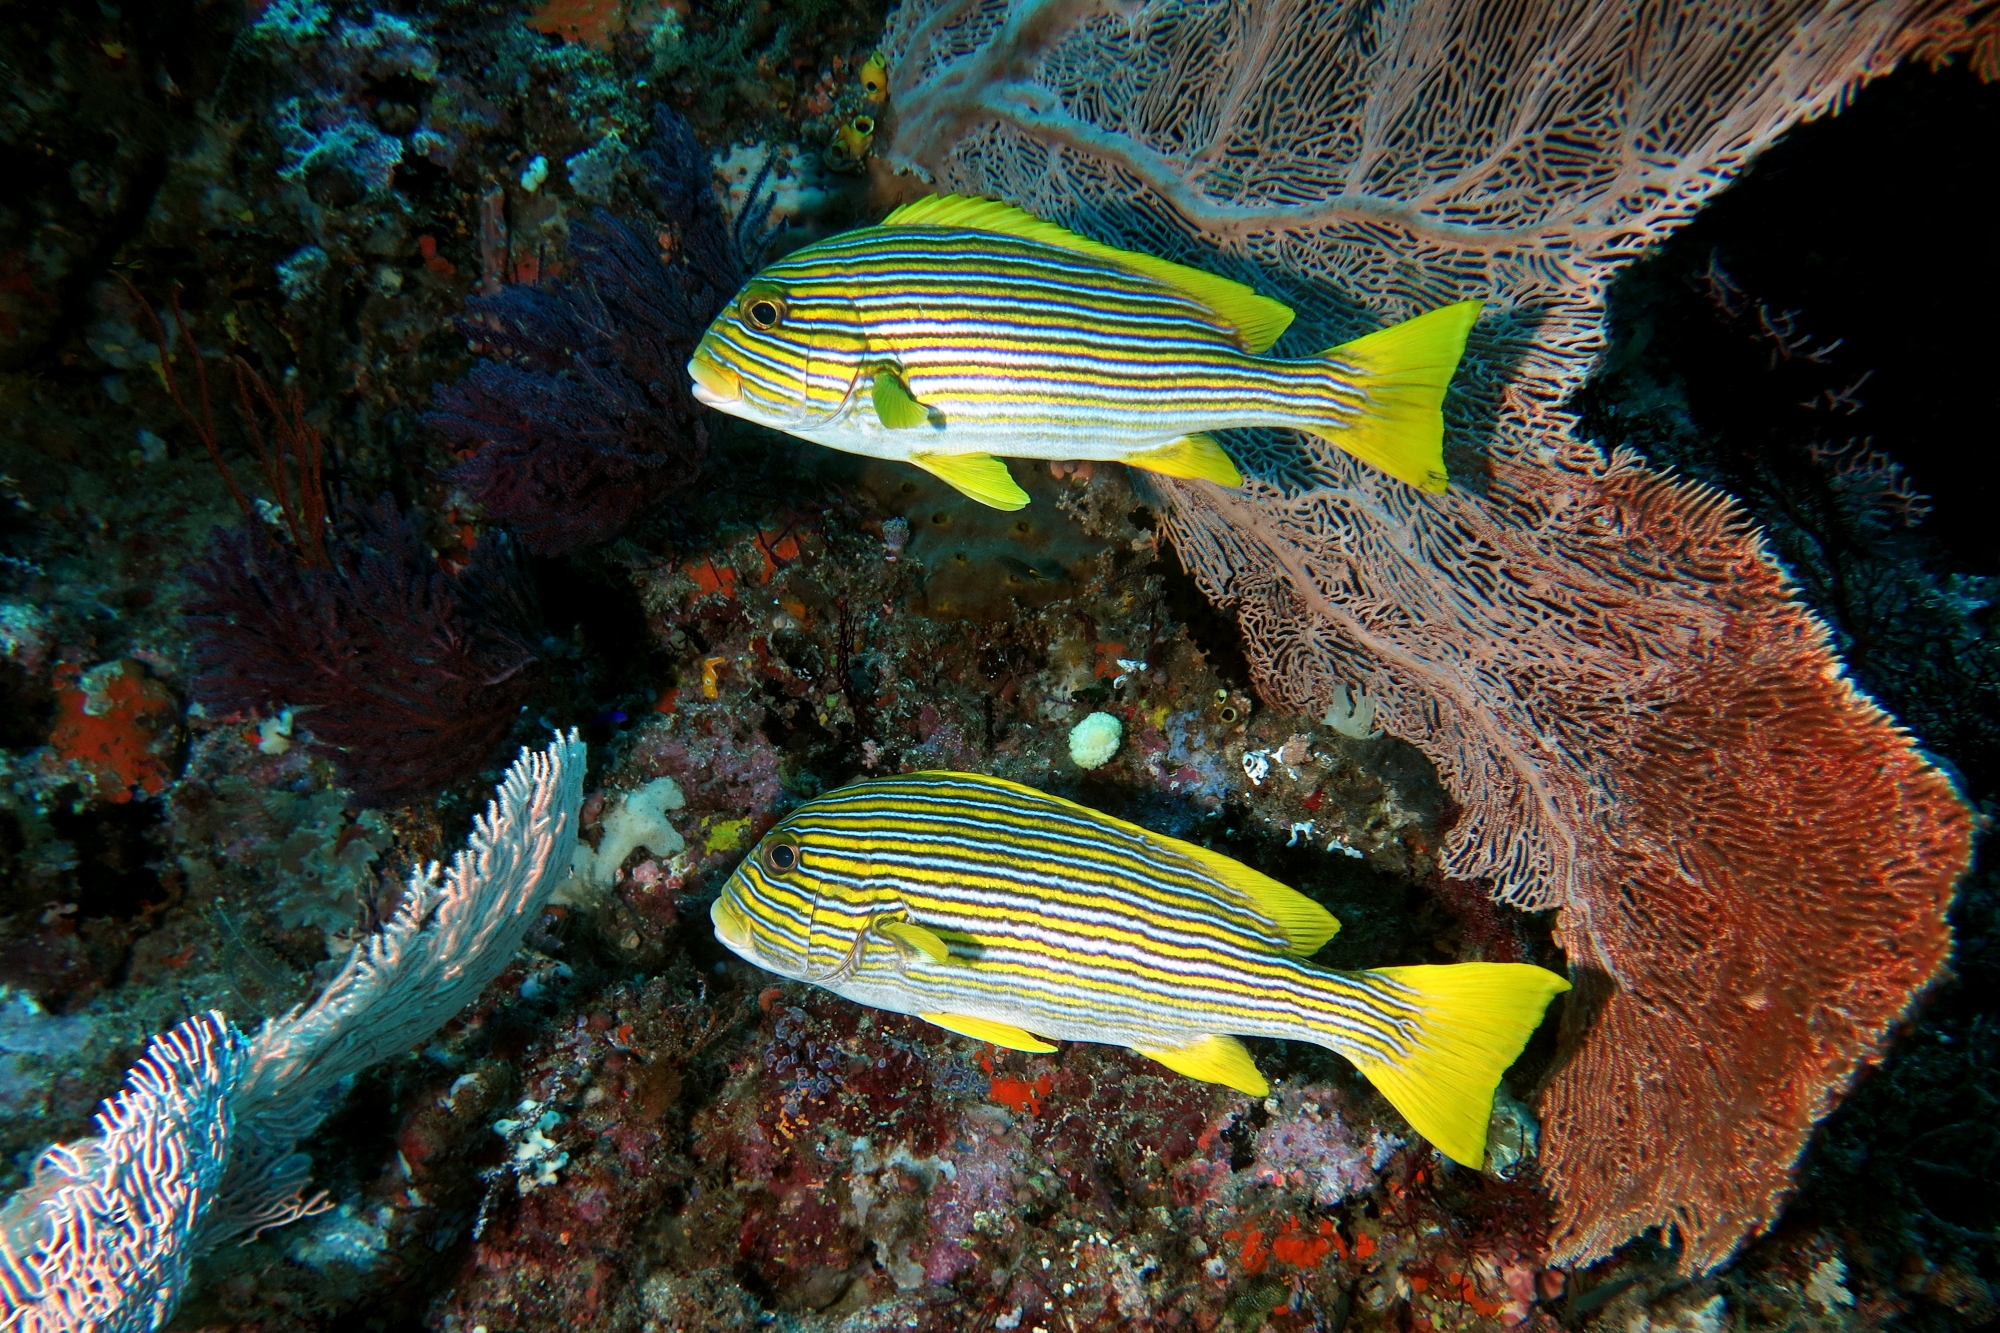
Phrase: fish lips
(714,385)
(730,926)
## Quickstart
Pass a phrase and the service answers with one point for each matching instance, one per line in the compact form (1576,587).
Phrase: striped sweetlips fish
(1015,917)
(960,329)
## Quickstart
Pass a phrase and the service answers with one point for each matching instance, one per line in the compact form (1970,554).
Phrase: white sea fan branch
(199,1145)
(99,1239)
(451,935)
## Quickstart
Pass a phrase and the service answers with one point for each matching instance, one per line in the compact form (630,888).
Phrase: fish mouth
(730,927)
(714,385)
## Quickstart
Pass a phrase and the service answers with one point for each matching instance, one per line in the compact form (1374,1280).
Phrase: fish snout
(715,385)
(730,927)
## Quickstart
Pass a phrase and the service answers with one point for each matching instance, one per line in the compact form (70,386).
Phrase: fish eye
(781,854)
(763,314)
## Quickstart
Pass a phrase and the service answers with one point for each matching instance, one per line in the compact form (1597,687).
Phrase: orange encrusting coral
(591,23)
(119,726)
(1020,1094)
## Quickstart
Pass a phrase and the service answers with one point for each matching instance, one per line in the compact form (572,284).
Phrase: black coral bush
(406,675)
(580,416)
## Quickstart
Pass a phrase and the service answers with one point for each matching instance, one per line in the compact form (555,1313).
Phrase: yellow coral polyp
(875,78)
(851,144)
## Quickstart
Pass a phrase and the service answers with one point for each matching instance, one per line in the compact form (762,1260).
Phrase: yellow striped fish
(960,329)
(1009,915)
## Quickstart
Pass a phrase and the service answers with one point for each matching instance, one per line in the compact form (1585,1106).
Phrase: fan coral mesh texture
(198,1147)
(583,418)
(1644,726)
(101,1238)
(407,676)
(451,935)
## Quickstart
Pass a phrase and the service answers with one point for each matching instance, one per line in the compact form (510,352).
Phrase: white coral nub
(1094,740)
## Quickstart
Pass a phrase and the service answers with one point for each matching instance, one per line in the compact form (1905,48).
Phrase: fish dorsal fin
(1301,920)
(1303,923)
(980,477)
(1195,456)
(1258,320)
(914,937)
(985,1029)
(1221,1060)
(894,405)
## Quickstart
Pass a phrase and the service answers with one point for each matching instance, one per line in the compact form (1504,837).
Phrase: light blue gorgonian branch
(451,935)
(100,1238)
(199,1144)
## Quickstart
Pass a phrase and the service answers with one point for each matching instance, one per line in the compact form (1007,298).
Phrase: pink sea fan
(1644,726)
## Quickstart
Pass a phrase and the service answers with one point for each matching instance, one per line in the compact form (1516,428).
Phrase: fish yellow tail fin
(1404,371)
(1475,1018)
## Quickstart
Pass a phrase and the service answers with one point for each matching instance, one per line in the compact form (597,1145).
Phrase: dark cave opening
(117,870)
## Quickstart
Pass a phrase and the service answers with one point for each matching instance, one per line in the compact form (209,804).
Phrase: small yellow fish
(997,911)
(962,331)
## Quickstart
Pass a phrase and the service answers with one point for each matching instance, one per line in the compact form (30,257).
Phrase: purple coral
(581,415)
(407,676)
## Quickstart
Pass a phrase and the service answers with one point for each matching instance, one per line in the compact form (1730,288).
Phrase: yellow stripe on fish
(1016,917)
(961,331)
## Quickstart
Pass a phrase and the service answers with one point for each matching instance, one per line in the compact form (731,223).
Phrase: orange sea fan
(1753,861)
(1644,726)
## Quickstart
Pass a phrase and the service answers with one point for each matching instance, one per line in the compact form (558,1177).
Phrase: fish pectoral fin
(911,936)
(1221,1060)
(1197,457)
(980,477)
(895,406)
(985,1029)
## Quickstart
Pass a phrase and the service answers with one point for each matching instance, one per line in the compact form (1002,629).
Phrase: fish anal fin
(985,1029)
(895,407)
(1405,370)
(1221,1060)
(1257,320)
(1472,1021)
(914,937)
(1197,457)
(980,477)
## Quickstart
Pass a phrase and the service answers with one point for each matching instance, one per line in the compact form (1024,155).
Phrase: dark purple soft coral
(406,675)
(581,413)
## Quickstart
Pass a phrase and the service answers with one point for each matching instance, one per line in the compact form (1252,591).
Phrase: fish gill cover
(1648,729)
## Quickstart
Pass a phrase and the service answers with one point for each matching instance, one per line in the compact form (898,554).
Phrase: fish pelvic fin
(1473,1019)
(1214,1060)
(1194,456)
(1257,320)
(980,477)
(1405,370)
(985,1029)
